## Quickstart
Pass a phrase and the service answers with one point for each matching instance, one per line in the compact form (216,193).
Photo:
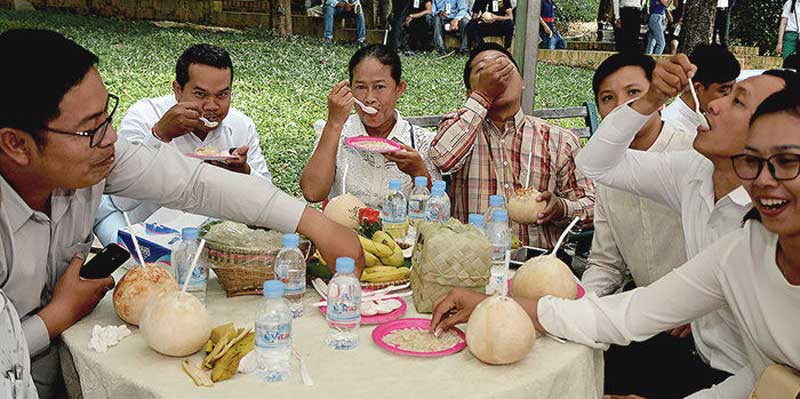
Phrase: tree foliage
(755,23)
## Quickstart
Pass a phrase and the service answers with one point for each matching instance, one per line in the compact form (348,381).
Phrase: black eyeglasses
(97,134)
(783,166)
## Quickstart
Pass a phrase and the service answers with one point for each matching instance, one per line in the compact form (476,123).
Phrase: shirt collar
(400,130)
(511,125)
(738,196)
(17,210)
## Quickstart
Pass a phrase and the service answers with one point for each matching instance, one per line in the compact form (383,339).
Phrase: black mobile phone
(104,263)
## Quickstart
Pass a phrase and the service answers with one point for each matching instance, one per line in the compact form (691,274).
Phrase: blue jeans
(108,221)
(331,12)
(555,41)
(438,33)
(655,36)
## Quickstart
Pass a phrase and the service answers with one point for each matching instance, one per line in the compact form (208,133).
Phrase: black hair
(621,60)
(715,64)
(43,66)
(202,54)
(792,62)
(479,49)
(384,54)
(786,100)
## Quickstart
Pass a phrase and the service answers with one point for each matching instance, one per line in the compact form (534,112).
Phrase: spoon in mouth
(208,123)
(366,108)
(700,118)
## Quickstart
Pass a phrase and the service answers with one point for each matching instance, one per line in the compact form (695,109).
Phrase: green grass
(281,84)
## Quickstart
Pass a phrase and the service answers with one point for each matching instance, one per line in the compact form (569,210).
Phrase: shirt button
(506,185)
(505,163)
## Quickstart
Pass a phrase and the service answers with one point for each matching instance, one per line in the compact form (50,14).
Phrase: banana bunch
(384,259)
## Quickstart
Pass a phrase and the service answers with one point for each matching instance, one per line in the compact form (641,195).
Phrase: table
(133,370)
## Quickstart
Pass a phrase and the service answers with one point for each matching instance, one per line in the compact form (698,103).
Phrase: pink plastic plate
(423,324)
(379,318)
(372,144)
(210,157)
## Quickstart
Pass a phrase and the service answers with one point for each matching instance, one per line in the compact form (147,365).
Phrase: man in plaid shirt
(488,146)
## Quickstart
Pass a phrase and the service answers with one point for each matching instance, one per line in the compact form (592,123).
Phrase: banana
(374,248)
(398,273)
(379,268)
(396,259)
(371,259)
(385,239)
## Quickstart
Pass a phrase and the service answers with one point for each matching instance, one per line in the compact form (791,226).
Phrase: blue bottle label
(273,336)
(345,309)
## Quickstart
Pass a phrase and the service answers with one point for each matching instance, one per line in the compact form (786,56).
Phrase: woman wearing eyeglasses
(754,270)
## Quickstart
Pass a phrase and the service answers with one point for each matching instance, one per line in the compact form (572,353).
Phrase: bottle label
(273,336)
(416,209)
(199,276)
(499,252)
(497,284)
(346,309)
(294,281)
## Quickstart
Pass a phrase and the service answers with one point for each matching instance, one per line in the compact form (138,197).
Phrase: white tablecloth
(133,370)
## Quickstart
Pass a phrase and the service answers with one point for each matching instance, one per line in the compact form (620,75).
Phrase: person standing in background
(787,32)
(628,17)
(722,22)
(547,27)
(657,24)
(675,18)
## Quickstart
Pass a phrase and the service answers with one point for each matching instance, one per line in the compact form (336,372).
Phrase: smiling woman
(376,82)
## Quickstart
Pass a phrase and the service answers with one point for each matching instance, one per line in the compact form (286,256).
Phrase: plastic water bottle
(499,235)
(273,344)
(344,307)
(395,211)
(182,257)
(495,202)
(418,200)
(476,219)
(438,207)
(290,269)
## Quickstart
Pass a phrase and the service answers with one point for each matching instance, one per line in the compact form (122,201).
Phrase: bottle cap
(437,190)
(273,289)
(476,219)
(291,240)
(345,265)
(440,183)
(189,233)
(496,201)
(421,181)
(500,215)
(394,185)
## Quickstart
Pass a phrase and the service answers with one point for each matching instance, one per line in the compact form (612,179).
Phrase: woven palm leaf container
(242,270)
(448,256)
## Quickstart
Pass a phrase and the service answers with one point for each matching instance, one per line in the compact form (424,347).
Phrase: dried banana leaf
(220,331)
(219,346)
(198,376)
(227,366)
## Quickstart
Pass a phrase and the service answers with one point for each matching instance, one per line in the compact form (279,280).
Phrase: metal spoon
(366,108)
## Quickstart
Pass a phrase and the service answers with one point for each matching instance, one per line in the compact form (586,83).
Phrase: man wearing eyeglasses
(59,154)
(701,185)
(202,89)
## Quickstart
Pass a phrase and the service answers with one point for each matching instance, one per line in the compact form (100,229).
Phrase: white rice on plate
(419,340)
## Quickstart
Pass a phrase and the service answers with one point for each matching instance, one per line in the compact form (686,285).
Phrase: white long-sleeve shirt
(678,113)
(235,131)
(738,272)
(683,182)
(626,3)
(634,234)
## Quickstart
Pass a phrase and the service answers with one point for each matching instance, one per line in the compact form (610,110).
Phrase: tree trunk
(284,11)
(698,24)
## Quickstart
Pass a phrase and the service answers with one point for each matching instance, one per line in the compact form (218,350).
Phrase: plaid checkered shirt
(483,161)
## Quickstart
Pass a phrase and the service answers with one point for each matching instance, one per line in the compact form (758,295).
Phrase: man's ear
(177,89)
(401,88)
(17,145)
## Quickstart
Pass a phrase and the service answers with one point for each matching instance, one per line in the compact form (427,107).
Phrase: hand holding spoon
(209,123)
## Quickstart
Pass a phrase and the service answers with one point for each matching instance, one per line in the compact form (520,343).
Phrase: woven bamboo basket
(242,271)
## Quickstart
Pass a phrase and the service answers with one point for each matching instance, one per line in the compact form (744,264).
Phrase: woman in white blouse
(754,270)
(375,80)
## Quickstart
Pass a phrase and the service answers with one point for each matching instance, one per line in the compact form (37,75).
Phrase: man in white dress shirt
(59,154)
(202,88)
(717,71)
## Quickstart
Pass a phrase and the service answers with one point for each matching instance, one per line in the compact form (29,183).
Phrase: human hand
(492,76)
(331,239)
(547,30)
(340,102)
(453,24)
(554,209)
(238,165)
(408,160)
(618,23)
(454,308)
(73,298)
(442,14)
(408,20)
(670,78)
(779,48)
(682,331)
(182,118)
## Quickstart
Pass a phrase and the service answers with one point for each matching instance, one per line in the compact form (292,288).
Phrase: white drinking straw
(194,263)
(133,238)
